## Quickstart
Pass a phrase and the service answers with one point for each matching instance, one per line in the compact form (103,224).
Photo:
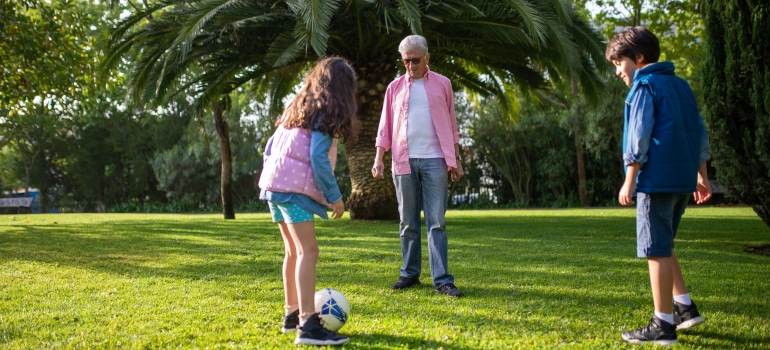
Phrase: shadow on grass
(173,248)
(160,248)
(700,338)
(388,341)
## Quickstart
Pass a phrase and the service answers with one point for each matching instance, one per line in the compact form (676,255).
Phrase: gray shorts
(657,220)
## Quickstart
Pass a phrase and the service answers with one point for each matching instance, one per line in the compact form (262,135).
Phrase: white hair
(413,42)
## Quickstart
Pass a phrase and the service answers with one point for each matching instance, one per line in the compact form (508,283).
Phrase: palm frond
(283,50)
(566,50)
(118,42)
(562,10)
(411,13)
(531,19)
(198,19)
(315,15)
(488,47)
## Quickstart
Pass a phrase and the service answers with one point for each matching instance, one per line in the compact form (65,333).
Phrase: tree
(45,67)
(533,161)
(737,98)
(484,47)
(187,172)
(677,23)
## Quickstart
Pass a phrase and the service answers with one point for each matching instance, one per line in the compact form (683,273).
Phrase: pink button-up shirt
(391,133)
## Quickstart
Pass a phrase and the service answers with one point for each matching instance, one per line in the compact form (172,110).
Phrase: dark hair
(632,42)
(328,98)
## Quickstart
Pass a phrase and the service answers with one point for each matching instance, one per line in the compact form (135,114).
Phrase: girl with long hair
(298,181)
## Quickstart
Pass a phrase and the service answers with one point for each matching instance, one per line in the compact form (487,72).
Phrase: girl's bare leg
(289,268)
(303,235)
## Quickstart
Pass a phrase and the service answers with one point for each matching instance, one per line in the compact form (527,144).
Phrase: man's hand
(378,169)
(457,173)
(338,208)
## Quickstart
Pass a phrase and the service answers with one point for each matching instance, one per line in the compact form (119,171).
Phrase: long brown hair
(328,98)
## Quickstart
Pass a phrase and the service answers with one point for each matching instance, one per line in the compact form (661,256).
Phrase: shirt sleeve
(640,122)
(385,129)
(452,115)
(320,143)
(268,148)
(705,144)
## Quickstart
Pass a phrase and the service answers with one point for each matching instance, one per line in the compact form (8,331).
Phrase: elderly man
(419,126)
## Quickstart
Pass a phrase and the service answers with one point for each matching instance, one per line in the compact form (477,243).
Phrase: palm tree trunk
(226,179)
(371,198)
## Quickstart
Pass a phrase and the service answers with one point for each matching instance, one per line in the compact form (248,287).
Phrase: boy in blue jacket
(665,149)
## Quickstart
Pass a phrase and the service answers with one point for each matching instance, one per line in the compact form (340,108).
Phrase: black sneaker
(405,282)
(686,316)
(291,322)
(450,290)
(658,332)
(313,333)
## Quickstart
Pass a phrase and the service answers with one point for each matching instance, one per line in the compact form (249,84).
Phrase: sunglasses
(415,60)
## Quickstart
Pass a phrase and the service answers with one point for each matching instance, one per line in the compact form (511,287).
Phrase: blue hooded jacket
(663,131)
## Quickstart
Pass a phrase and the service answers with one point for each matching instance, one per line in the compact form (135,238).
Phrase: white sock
(304,318)
(683,299)
(665,317)
(290,308)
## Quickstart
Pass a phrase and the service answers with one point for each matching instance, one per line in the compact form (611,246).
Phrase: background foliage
(70,133)
(737,95)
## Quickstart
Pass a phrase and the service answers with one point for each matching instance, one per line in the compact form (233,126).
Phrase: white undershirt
(421,137)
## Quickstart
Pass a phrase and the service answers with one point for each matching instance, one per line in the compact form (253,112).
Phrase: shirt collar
(426,76)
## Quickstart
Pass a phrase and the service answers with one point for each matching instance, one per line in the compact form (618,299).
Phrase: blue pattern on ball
(331,308)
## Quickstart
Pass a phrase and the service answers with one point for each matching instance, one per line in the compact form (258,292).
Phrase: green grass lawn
(532,278)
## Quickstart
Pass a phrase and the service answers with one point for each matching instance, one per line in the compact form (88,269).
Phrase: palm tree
(486,47)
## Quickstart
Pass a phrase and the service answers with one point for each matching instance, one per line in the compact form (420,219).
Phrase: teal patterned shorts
(289,212)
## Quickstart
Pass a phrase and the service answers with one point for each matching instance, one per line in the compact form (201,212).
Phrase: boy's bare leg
(661,329)
(687,314)
(679,286)
(662,283)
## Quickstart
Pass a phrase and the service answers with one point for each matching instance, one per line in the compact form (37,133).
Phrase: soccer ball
(332,307)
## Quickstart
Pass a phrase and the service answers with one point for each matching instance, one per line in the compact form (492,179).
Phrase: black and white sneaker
(686,316)
(291,322)
(313,333)
(658,332)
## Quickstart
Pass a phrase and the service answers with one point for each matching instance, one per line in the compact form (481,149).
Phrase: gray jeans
(424,189)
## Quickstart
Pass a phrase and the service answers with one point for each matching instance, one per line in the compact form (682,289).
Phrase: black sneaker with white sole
(658,332)
(314,333)
(686,316)
(291,322)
